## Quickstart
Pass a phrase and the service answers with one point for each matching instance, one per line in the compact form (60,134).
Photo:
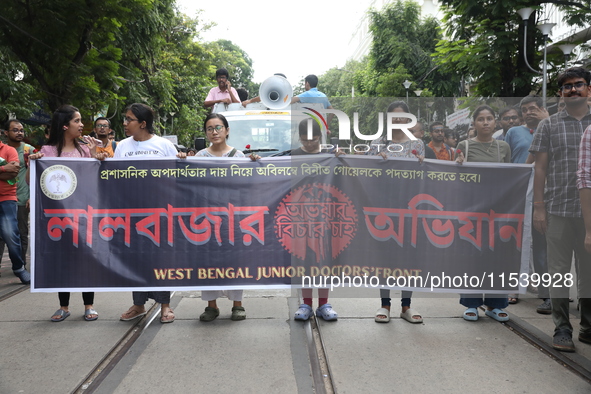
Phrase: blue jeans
(10,234)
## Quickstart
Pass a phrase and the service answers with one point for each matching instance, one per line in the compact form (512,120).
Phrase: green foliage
(109,54)
(486,46)
(402,48)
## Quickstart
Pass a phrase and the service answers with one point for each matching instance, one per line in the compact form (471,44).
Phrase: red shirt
(7,191)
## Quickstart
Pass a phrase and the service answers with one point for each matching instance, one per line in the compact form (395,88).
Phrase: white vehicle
(262,127)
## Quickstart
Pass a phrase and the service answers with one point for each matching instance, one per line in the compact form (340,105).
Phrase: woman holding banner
(484,148)
(65,140)
(402,146)
(142,142)
(217,130)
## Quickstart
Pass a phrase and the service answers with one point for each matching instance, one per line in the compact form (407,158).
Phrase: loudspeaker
(275,92)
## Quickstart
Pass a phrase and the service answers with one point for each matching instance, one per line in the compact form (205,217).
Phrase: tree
(402,48)
(225,54)
(485,44)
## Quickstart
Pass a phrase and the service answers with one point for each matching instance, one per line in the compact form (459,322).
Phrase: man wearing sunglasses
(557,206)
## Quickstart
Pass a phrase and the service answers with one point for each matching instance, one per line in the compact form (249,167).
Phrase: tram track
(11,293)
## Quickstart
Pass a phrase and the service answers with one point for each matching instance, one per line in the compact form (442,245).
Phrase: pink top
(51,151)
(216,94)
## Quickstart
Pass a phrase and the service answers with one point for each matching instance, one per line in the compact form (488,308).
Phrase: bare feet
(167,315)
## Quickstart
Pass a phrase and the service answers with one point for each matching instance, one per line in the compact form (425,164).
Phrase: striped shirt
(584,171)
(560,137)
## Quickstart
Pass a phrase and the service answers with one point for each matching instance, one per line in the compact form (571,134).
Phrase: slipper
(89,312)
(131,314)
(408,316)
(168,318)
(495,314)
(471,318)
(210,314)
(238,313)
(513,299)
(327,313)
(304,313)
(563,341)
(62,315)
(385,312)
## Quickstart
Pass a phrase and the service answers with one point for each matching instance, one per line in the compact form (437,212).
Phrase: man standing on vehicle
(312,94)
(224,92)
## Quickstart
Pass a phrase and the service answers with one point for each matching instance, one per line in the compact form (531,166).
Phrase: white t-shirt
(154,147)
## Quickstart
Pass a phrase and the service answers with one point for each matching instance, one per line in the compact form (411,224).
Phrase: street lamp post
(407,84)
(172,122)
(566,49)
(545,28)
(418,93)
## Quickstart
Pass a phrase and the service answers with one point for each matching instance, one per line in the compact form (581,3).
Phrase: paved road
(271,353)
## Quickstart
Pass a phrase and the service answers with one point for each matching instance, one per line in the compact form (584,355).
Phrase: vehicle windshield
(265,135)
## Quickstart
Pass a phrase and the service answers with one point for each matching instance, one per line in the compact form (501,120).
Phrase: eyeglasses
(508,118)
(104,126)
(17,131)
(129,120)
(217,128)
(567,87)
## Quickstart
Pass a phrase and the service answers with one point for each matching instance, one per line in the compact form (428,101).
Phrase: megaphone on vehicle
(275,92)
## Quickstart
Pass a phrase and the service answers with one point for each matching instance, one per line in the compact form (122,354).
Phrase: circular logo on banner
(315,222)
(58,182)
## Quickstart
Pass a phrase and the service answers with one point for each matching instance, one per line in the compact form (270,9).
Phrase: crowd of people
(558,146)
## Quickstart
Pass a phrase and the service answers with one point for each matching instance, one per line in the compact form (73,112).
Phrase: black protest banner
(192,224)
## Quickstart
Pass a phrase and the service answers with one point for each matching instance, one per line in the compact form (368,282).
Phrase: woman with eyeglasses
(65,140)
(484,148)
(142,142)
(217,131)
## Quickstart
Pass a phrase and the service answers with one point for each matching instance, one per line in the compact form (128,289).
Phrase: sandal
(168,317)
(62,315)
(513,298)
(409,316)
(88,314)
(238,313)
(131,314)
(327,313)
(496,314)
(304,313)
(210,314)
(563,341)
(382,312)
(471,318)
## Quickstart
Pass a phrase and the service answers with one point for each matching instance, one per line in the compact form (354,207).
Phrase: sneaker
(545,308)
(563,341)
(24,276)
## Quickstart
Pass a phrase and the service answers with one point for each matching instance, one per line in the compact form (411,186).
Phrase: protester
(217,130)
(405,148)
(102,128)
(484,148)
(65,141)
(15,134)
(139,125)
(519,139)
(557,206)
(324,310)
(224,92)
